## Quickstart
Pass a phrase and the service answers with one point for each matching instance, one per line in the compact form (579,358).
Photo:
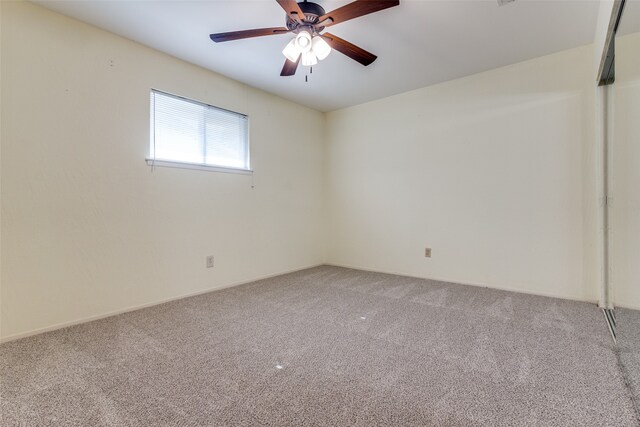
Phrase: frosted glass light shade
(309,59)
(291,51)
(303,41)
(320,47)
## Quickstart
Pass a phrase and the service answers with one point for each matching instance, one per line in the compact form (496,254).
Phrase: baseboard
(482,285)
(626,306)
(243,282)
(141,306)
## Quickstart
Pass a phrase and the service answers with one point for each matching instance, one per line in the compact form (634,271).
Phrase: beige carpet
(628,329)
(325,346)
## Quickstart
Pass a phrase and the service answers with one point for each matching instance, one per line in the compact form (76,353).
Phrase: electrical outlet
(210,261)
(427,252)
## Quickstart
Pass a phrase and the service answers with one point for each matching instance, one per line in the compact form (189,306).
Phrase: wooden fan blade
(352,51)
(237,35)
(354,10)
(290,68)
(292,9)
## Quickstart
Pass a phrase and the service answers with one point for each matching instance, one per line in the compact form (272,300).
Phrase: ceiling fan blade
(245,34)
(292,9)
(354,10)
(290,67)
(352,51)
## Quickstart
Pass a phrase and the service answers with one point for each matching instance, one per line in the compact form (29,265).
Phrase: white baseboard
(141,306)
(482,285)
(230,285)
(627,306)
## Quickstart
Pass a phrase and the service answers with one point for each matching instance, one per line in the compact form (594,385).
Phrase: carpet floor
(325,346)
(628,331)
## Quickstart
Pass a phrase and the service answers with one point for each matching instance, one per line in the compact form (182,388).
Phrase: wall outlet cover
(210,261)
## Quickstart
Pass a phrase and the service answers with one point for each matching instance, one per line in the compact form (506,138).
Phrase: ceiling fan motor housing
(312,12)
(307,20)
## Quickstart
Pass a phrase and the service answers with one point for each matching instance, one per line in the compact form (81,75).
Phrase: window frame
(153,161)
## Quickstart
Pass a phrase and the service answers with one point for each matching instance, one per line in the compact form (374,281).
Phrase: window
(190,133)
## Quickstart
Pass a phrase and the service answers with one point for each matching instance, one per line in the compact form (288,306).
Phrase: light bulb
(320,47)
(303,41)
(291,51)
(309,59)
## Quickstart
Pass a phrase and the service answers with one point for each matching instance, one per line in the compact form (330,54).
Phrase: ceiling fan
(307,20)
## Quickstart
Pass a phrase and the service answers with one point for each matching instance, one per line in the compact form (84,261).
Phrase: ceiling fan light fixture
(291,51)
(303,41)
(309,59)
(320,47)
(306,20)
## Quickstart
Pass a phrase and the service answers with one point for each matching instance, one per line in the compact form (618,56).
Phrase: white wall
(494,171)
(87,228)
(0,171)
(625,170)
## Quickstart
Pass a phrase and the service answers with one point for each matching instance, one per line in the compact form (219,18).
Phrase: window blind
(188,131)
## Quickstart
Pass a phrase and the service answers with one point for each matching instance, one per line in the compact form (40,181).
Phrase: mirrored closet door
(624,189)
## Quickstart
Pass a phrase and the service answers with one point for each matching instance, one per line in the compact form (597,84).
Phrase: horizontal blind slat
(193,132)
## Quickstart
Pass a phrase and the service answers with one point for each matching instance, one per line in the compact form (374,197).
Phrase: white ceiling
(630,22)
(419,43)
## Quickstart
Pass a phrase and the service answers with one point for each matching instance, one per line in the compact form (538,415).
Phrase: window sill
(196,166)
